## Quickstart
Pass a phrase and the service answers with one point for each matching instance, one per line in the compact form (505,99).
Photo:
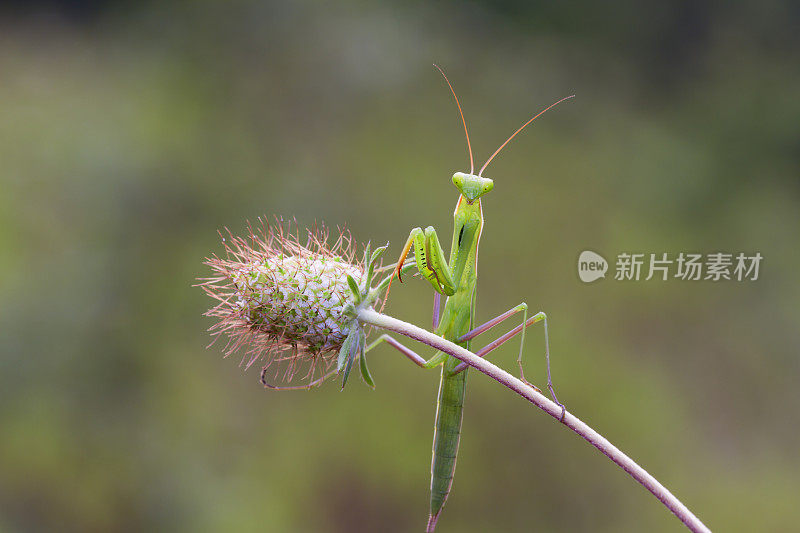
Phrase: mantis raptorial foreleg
(430,260)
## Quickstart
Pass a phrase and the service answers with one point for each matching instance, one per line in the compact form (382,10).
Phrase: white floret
(317,301)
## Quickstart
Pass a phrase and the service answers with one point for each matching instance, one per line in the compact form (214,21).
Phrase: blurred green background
(131,132)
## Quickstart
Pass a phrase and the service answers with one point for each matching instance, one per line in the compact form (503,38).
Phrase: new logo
(591,266)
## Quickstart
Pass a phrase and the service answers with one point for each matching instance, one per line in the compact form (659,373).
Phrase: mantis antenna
(471,170)
(464,122)
(519,130)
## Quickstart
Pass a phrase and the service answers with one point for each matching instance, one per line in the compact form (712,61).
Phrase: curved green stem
(372,317)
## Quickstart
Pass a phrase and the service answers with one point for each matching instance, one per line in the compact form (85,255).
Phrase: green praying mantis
(292,303)
(456,280)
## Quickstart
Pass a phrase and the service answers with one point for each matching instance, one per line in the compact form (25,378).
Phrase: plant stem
(370,316)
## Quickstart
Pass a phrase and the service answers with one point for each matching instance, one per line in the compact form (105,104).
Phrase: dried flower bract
(281,298)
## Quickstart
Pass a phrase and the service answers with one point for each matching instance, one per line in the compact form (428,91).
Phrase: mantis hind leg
(543,318)
(538,317)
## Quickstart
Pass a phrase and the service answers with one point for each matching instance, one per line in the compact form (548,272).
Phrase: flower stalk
(372,317)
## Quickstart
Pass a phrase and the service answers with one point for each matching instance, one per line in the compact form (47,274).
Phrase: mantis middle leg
(417,359)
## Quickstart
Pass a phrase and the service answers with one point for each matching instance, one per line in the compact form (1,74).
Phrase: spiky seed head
(282,299)
(297,297)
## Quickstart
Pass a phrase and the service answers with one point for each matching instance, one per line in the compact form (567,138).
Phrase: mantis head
(471,186)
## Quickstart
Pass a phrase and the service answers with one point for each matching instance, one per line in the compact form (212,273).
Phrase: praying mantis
(456,280)
(293,303)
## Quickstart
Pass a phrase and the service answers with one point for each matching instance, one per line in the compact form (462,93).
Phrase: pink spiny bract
(281,299)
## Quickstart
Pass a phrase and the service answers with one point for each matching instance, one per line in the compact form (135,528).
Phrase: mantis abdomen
(447,434)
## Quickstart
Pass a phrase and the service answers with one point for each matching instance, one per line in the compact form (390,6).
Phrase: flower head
(284,299)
